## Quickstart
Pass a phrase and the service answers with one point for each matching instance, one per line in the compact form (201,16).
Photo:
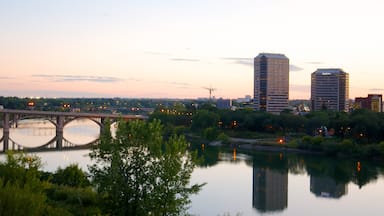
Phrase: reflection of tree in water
(210,155)
(342,171)
(138,173)
(366,172)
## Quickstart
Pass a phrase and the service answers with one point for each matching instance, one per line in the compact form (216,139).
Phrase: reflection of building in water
(270,190)
(327,187)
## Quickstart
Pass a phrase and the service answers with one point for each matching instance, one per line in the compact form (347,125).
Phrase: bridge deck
(72,114)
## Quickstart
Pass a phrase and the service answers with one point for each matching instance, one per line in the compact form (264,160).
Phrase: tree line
(357,133)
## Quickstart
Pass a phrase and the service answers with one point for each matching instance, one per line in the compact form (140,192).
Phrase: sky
(178,48)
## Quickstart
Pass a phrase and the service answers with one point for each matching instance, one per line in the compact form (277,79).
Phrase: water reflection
(327,187)
(274,180)
(270,182)
(41,133)
(270,189)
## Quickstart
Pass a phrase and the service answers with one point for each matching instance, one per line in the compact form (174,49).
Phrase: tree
(204,119)
(72,176)
(21,192)
(140,173)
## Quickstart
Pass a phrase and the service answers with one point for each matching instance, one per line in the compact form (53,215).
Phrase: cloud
(76,78)
(179,83)
(49,93)
(314,62)
(376,89)
(134,79)
(240,61)
(7,78)
(184,59)
(157,53)
(295,68)
(249,62)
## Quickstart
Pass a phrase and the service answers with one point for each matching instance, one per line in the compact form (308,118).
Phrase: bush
(20,200)
(71,176)
(293,143)
(75,201)
(223,138)
(210,133)
(331,148)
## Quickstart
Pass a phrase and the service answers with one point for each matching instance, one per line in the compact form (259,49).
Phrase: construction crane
(210,89)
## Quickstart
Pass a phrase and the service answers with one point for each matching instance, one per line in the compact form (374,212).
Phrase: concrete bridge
(58,119)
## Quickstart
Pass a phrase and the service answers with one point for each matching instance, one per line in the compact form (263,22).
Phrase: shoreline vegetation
(329,146)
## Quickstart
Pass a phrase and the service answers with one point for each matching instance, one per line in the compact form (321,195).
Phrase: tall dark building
(330,90)
(271,82)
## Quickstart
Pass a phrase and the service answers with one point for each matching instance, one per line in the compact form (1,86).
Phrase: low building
(373,102)
(223,103)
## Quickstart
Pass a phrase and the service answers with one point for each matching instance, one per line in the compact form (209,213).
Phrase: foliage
(21,169)
(20,199)
(73,200)
(204,119)
(211,133)
(21,192)
(140,173)
(223,138)
(72,176)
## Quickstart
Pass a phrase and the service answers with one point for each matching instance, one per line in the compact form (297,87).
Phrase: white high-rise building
(271,82)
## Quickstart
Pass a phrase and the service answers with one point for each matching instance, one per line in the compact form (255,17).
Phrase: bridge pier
(6,132)
(102,123)
(59,131)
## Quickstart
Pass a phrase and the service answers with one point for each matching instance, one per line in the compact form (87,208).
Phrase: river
(240,182)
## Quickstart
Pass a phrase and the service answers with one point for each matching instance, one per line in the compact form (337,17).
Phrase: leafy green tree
(72,176)
(204,119)
(211,133)
(20,199)
(140,173)
(21,192)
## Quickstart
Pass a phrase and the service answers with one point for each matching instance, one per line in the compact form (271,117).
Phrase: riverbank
(258,145)
(328,146)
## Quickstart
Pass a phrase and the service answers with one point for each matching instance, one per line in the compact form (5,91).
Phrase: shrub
(223,138)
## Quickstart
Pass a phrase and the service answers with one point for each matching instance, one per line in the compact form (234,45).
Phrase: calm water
(246,183)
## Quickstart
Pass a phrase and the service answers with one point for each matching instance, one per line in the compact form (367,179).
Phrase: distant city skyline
(173,49)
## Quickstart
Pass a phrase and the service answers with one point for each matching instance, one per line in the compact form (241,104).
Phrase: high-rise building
(329,90)
(271,82)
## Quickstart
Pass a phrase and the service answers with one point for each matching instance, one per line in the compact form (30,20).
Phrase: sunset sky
(175,48)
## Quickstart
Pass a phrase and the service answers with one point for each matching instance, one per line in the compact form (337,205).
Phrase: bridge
(59,120)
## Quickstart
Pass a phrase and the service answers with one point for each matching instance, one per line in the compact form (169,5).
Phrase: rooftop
(329,71)
(272,55)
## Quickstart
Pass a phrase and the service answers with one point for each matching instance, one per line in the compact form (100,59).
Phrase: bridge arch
(58,119)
